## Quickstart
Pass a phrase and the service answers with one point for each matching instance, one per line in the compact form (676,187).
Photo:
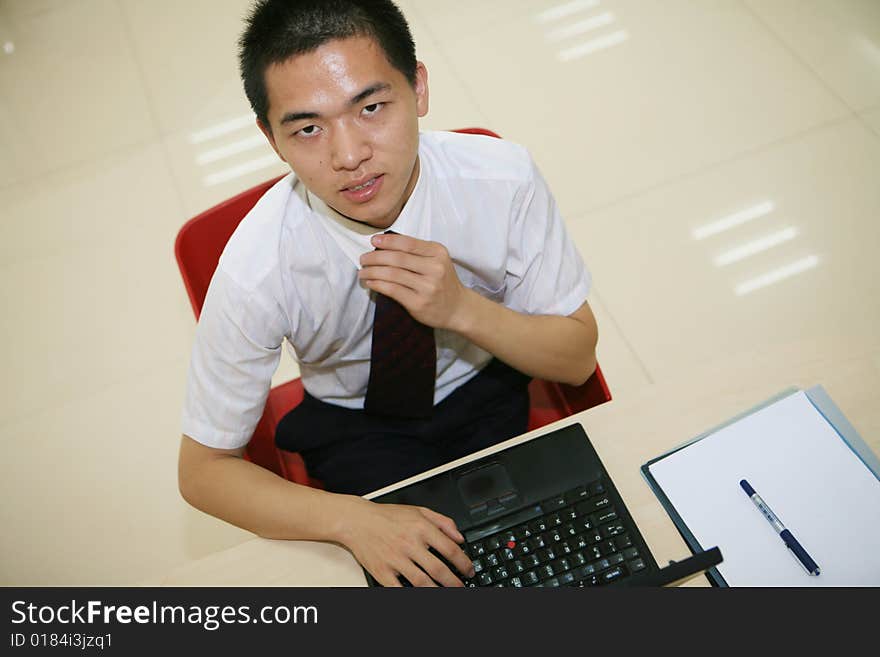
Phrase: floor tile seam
(627,343)
(715,165)
(797,57)
(69,400)
(863,118)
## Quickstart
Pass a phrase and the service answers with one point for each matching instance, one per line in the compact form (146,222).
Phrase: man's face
(346,121)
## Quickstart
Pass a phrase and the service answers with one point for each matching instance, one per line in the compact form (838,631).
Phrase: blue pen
(786,536)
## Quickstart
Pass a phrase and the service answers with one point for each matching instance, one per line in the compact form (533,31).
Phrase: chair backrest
(202,239)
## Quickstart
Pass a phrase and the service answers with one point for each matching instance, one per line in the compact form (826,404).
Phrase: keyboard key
(546,571)
(478,565)
(623,541)
(586,571)
(538,525)
(477,549)
(585,524)
(553,582)
(570,530)
(581,542)
(600,502)
(566,578)
(592,580)
(614,574)
(584,508)
(602,564)
(607,547)
(593,552)
(554,520)
(597,488)
(615,558)
(554,503)
(609,515)
(545,555)
(500,573)
(516,582)
(492,559)
(636,565)
(507,554)
(578,559)
(537,542)
(485,579)
(576,494)
(594,537)
(530,578)
(630,553)
(553,536)
(517,567)
(613,529)
(566,547)
(493,543)
(560,565)
(522,532)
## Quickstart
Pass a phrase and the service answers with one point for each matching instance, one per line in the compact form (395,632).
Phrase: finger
(438,570)
(403,295)
(393,275)
(442,543)
(416,576)
(444,523)
(404,243)
(388,579)
(414,263)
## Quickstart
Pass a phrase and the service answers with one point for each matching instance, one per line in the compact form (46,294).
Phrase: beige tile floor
(653,123)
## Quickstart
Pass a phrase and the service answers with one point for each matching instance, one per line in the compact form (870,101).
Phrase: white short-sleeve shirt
(289,272)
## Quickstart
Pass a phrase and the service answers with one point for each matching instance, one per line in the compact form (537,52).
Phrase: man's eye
(373,108)
(308,131)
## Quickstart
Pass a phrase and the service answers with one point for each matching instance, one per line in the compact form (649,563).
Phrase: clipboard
(826,408)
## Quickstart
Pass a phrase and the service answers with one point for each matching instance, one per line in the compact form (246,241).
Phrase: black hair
(277,30)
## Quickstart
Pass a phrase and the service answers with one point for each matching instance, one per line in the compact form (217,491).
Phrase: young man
(479,257)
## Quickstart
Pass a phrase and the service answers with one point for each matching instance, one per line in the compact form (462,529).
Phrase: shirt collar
(353,237)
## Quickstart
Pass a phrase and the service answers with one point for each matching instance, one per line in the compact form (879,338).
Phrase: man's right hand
(392,539)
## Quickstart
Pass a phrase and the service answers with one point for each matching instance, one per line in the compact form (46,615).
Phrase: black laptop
(544,513)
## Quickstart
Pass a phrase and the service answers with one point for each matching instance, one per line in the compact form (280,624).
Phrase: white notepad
(805,472)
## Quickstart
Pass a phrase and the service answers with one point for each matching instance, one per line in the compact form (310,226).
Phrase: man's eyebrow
(369,91)
(291,117)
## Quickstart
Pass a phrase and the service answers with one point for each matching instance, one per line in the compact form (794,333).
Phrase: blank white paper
(808,476)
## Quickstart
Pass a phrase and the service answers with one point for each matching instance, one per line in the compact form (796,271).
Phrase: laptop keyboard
(576,538)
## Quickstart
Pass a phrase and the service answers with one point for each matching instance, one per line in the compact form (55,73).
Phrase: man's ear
(267,131)
(421,89)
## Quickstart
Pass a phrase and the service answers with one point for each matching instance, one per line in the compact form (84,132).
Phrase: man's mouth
(368,183)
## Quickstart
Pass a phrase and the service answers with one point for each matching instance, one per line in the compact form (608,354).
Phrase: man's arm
(386,539)
(421,277)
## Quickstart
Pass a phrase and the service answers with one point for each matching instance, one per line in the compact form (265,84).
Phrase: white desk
(625,432)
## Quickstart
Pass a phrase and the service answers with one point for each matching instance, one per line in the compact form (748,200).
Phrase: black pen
(786,536)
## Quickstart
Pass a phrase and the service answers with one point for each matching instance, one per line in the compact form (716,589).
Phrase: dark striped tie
(403,363)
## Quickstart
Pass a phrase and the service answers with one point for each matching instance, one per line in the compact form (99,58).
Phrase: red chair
(198,247)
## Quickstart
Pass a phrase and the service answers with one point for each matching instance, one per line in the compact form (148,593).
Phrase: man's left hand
(419,275)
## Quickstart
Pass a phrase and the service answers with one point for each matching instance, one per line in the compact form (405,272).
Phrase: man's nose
(350,148)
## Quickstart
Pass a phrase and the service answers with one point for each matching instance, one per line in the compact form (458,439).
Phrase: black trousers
(354,452)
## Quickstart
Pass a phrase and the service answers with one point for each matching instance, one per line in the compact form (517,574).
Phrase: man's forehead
(336,71)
